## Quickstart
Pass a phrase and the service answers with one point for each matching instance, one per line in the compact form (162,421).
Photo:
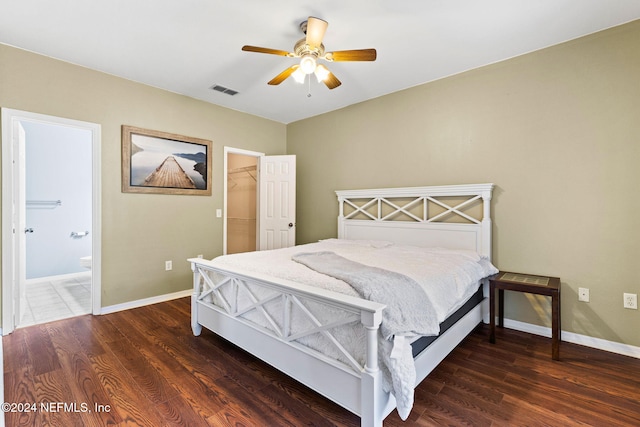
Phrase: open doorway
(50,218)
(241,200)
(58,230)
(242,184)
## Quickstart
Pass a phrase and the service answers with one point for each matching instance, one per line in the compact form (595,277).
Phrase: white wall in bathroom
(58,167)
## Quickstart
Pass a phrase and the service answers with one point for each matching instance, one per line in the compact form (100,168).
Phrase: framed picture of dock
(165,163)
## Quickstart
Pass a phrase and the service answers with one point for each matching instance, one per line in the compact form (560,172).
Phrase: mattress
(421,343)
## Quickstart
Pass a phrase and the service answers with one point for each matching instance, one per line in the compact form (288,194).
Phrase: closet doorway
(50,218)
(242,202)
(259,201)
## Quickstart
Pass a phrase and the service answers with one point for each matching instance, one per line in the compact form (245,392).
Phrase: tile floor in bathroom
(54,298)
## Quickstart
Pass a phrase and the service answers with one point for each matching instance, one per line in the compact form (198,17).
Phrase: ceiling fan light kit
(308,64)
(322,73)
(298,76)
(310,49)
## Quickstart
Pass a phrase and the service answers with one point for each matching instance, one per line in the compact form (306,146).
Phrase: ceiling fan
(310,49)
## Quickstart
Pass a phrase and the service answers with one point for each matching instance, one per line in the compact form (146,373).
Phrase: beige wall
(558,132)
(139,231)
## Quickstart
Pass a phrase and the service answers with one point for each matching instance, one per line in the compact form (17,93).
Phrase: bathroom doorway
(55,191)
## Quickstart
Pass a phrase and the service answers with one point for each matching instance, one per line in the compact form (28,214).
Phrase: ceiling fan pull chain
(309,93)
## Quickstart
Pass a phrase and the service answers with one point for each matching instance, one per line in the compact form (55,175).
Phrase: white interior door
(277,202)
(13,223)
(18,288)
(20,200)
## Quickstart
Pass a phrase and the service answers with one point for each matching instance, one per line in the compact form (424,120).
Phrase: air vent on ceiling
(224,90)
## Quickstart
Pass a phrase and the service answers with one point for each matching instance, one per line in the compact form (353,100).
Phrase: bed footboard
(255,313)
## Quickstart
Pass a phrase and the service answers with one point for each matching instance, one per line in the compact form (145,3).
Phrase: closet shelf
(249,170)
(243,169)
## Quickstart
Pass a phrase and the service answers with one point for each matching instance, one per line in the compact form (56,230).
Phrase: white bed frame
(379,214)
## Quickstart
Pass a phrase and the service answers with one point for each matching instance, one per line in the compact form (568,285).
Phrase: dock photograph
(164,163)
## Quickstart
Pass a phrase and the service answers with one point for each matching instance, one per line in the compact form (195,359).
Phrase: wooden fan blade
(266,50)
(332,81)
(315,31)
(352,55)
(283,75)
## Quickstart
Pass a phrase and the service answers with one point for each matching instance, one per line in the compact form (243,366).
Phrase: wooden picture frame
(157,162)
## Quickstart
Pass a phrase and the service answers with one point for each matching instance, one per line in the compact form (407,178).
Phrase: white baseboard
(79,274)
(600,344)
(145,301)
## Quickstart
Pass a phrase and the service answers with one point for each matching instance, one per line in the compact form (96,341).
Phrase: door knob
(28,230)
(290,225)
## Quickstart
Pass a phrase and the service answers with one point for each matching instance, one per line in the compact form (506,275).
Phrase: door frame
(227,151)
(10,245)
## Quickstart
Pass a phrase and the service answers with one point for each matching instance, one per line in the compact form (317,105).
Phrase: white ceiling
(187,46)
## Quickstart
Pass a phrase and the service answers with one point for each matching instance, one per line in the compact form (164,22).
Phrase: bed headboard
(448,216)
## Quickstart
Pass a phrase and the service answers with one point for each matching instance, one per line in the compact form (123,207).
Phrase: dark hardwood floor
(144,367)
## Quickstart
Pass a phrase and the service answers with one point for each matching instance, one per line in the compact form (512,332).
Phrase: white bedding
(449,278)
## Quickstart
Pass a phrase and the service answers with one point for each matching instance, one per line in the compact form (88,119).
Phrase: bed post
(340,217)
(486,223)
(486,248)
(371,393)
(195,326)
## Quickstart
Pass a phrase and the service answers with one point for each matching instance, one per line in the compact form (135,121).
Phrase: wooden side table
(540,285)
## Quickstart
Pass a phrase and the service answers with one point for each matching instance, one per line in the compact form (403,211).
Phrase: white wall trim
(598,343)
(146,301)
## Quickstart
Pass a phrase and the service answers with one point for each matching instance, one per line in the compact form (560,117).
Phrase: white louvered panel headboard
(448,216)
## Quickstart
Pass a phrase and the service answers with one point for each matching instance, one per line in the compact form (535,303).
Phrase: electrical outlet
(200,256)
(631,301)
(583,294)
(168,265)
